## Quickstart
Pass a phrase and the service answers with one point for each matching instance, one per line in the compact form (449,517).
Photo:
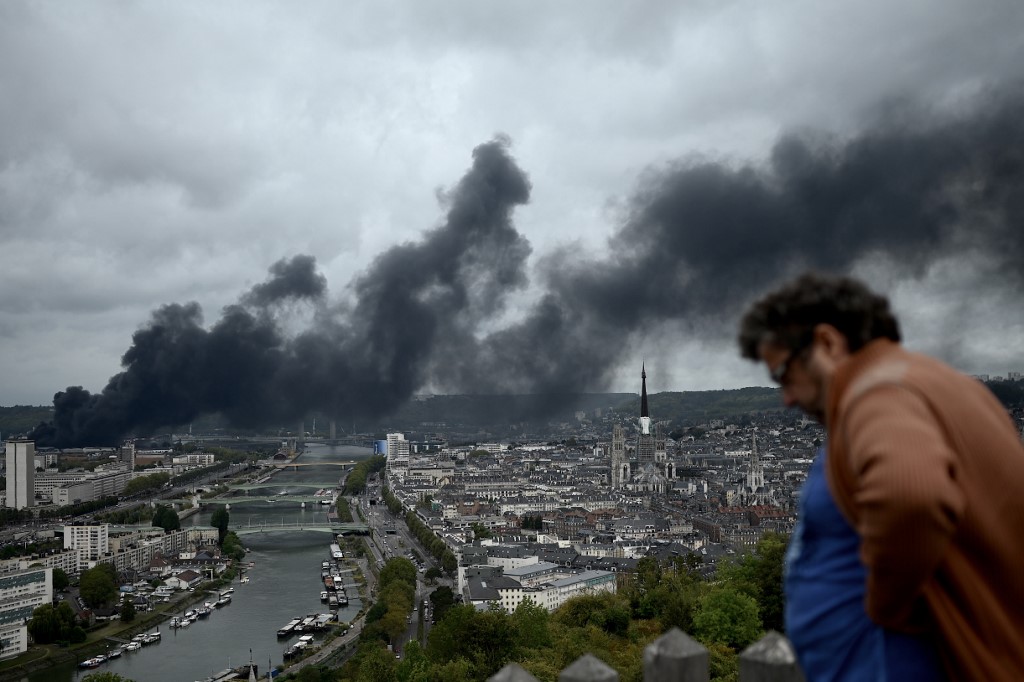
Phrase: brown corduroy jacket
(928,467)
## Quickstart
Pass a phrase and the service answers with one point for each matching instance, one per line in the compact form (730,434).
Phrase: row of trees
(343,510)
(355,482)
(47,513)
(426,537)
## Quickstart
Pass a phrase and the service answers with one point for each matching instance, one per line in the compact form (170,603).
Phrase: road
(398,543)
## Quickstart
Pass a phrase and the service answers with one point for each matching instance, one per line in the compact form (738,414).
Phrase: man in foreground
(923,462)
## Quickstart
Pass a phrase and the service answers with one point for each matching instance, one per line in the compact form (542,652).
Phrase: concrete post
(770,659)
(588,668)
(513,672)
(676,657)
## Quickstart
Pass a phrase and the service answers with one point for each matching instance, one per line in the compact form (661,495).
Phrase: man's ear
(831,341)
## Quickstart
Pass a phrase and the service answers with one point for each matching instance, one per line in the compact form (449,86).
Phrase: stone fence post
(676,657)
(588,668)
(770,659)
(513,672)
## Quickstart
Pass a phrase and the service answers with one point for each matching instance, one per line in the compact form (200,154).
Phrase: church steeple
(645,414)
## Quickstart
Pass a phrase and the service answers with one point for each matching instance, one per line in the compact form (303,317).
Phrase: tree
(442,599)
(60,579)
(378,665)
(310,673)
(728,616)
(166,518)
(127,609)
(531,625)
(398,568)
(220,520)
(480,531)
(105,677)
(432,574)
(52,624)
(759,574)
(98,585)
(142,483)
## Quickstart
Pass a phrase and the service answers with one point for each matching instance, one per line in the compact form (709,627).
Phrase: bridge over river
(270,483)
(337,528)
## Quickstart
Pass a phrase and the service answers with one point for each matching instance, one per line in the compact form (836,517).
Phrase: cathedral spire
(644,412)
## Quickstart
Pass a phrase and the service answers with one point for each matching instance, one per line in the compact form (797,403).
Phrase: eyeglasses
(781,371)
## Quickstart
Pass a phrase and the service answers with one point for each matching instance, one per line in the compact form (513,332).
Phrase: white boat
(244,579)
(132,646)
(115,653)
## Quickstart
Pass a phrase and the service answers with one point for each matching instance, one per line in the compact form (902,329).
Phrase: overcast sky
(170,152)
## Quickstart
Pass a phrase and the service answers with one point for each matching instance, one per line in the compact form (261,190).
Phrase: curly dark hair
(788,315)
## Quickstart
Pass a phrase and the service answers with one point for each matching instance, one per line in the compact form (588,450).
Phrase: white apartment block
(66,561)
(46,460)
(398,451)
(558,592)
(91,542)
(21,593)
(194,459)
(72,487)
(21,472)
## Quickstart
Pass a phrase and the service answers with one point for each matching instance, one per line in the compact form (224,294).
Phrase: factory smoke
(699,240)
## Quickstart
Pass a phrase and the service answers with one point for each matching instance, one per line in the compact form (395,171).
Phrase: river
(284,583)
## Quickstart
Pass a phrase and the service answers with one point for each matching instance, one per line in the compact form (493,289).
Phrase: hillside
(21,419)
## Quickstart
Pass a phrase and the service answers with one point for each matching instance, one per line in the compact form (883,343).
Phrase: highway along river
(284,583)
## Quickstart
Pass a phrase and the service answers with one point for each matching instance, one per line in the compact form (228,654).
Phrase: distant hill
(442,412)
(691,407)
(21,419)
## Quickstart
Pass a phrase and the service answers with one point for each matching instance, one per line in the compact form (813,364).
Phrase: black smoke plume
(361,362)
(700,239)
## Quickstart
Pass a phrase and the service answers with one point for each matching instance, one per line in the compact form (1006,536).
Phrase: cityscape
(520,342)
(518,522)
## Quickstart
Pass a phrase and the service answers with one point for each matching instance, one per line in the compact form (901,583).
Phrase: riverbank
(114,633)
(332,648)
(102,639)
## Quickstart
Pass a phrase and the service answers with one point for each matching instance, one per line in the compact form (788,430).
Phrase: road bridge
(283,484)
(336,528)
(308,499)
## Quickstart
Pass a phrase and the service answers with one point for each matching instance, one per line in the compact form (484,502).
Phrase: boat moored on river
(289,627)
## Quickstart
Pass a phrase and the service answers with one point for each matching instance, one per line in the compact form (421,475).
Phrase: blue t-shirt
(825,618)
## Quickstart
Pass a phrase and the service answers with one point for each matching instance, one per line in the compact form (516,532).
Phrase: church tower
(620,472)
(756,493)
